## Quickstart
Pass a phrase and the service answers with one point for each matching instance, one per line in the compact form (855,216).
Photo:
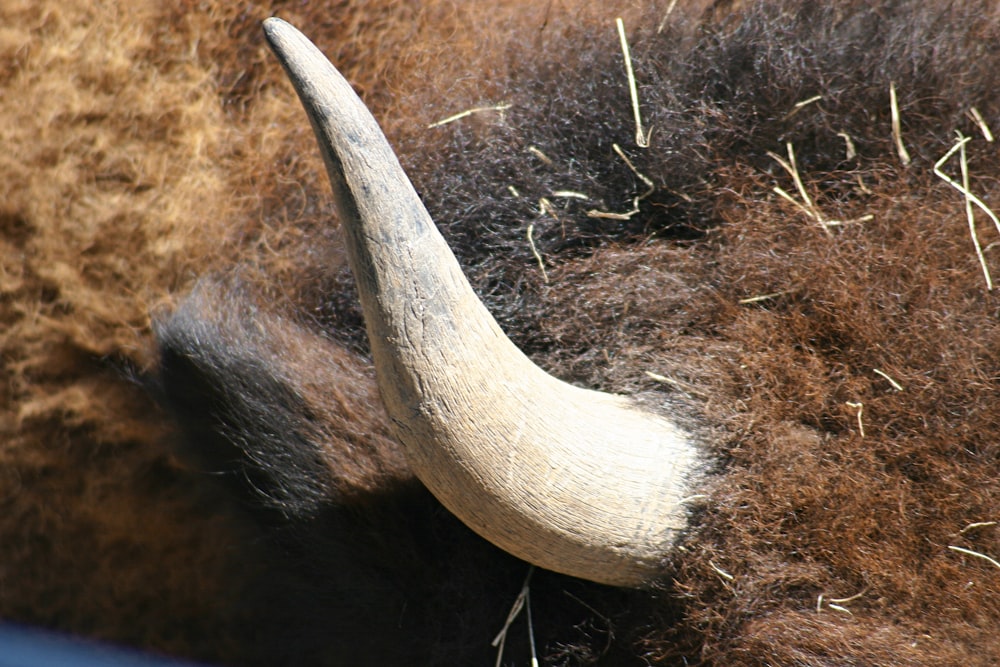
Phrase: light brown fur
(146,147)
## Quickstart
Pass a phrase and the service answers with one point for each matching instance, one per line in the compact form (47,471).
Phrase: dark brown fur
(308,540)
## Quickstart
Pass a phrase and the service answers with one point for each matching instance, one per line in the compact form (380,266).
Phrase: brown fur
(151,146)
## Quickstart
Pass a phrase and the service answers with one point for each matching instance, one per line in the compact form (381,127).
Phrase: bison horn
(570,479)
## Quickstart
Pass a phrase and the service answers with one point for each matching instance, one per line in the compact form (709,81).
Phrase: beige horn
(570,479)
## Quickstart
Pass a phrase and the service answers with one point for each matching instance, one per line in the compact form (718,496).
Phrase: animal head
(783,284)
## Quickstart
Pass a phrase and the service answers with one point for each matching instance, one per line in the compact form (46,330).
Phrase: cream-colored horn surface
(572,480)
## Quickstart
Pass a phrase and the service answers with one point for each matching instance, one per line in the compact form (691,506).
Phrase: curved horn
(572,480)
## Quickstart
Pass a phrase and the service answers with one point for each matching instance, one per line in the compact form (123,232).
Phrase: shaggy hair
(837,353)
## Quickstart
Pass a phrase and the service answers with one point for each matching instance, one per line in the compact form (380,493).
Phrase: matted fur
(151,147)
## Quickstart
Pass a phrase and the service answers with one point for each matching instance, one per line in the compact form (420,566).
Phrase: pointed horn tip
(279,35)
(273,27)
(284,38)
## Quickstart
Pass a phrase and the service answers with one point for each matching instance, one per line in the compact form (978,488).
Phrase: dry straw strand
(765,297)
(468,112)
(722,573)
(789,198)
(977,525)
(850,152)
(860,407)
(666,16)
(851,598)
(641,136)
(569,194)
(971,216)
(807,206)
(594,213)
(642,177)
(897,132)
(969,199)
(677,384)
(798,106)
(537,152)
(977,118)
(522,601)
(895,385)
(976,554)
(538,256)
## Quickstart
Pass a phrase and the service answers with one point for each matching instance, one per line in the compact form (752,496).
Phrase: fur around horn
(572,480)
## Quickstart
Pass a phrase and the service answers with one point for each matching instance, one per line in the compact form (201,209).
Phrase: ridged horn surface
(572,480)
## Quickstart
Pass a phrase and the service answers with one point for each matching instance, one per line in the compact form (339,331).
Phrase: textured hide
(194,457)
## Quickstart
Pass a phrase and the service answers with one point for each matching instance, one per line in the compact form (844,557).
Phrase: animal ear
(281,414)
(576,481)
